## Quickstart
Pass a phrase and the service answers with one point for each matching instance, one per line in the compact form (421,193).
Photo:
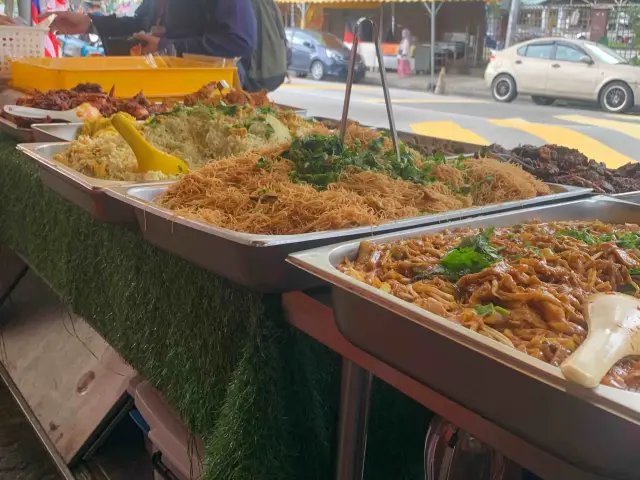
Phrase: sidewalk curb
(452,89)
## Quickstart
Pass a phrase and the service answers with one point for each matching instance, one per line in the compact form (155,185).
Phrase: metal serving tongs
(383,78)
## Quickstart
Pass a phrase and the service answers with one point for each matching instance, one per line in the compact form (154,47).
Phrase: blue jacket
(219,28)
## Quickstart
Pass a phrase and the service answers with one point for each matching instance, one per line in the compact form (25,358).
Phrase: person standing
(218,28)
(404,54)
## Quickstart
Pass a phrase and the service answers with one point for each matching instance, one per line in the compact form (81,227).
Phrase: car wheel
(503,88)
(317,70)
(616,97)
(542,100)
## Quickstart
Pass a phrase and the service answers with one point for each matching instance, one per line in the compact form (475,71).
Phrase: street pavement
(613,139)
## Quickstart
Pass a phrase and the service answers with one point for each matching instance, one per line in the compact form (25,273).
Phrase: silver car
(552,68)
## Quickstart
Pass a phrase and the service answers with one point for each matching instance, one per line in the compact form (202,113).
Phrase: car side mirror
(586,59)
(309,45)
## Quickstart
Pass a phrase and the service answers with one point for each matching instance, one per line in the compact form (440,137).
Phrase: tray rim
(10,124)
(315,261)
(624,195)
(260,240)
(84,181)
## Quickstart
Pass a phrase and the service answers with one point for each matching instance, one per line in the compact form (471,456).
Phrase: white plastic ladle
(78,114)
(614,333)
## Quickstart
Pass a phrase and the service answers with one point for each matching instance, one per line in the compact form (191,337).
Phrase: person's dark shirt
(219,28)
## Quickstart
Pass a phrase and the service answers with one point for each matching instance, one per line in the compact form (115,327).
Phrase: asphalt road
(613,139)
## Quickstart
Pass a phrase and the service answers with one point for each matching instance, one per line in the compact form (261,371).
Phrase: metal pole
(355,398)
(292,16)
(393,19)
(303,15)
(433,14)
(514,10)
(24,10)
(380,34)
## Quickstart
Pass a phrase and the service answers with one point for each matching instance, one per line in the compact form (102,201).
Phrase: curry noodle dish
(524,286)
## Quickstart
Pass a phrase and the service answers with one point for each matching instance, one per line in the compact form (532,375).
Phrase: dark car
(320,55)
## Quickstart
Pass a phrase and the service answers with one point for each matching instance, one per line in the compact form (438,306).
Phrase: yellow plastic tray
(170,77)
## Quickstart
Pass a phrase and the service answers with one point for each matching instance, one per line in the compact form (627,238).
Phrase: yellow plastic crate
(170,77)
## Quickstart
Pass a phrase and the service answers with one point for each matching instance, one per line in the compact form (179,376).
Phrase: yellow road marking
(628,128)
(449,131)
(426,100)
(624,116)
(555,134)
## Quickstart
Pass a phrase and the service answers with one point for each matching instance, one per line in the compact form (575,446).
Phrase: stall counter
(262,394)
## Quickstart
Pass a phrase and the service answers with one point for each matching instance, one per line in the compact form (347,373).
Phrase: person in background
(218,28)
(266,67)
(93,7)
(404,54)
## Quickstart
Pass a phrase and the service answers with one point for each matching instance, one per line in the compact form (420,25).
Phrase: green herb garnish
(486,310)
(266,111)
(634,272)
(472,255)
(581,235)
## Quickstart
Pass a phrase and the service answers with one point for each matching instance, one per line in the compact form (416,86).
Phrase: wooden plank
(70,377)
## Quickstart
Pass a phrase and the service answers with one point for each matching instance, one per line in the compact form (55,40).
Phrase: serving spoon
(81,113)
(150,159)
(614,333)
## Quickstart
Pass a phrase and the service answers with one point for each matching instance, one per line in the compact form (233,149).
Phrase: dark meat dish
(214,91)
(107,103)
(556,164)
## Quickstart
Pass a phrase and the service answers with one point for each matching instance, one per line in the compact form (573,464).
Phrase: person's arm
(112,26)
(233,32)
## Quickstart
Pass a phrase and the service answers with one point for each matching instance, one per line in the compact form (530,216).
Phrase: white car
(551,68)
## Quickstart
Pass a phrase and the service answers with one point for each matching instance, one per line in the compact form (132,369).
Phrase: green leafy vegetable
(472,255)
(628,289)
(634,272)
(264,163)
(629,241)
(486,310)
(581,235)
(320,159)
(266,111)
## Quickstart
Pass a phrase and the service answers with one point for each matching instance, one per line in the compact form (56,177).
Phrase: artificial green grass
(263,395)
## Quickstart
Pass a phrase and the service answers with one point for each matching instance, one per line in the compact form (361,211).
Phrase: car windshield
(326,39)
(604,54)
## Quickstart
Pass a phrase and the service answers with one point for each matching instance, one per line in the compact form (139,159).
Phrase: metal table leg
(4,296)
(355,397)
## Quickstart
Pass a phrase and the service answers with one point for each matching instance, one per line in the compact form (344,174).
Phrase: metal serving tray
(596,430)
(55,132)
(633,197)
(84,191)
(257,261)
(19,133)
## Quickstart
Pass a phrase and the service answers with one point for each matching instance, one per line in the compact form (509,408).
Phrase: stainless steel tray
(257,261)
(86,192)
(55,132)
(633,197)
(596,430)
(302,112)
(19,133)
